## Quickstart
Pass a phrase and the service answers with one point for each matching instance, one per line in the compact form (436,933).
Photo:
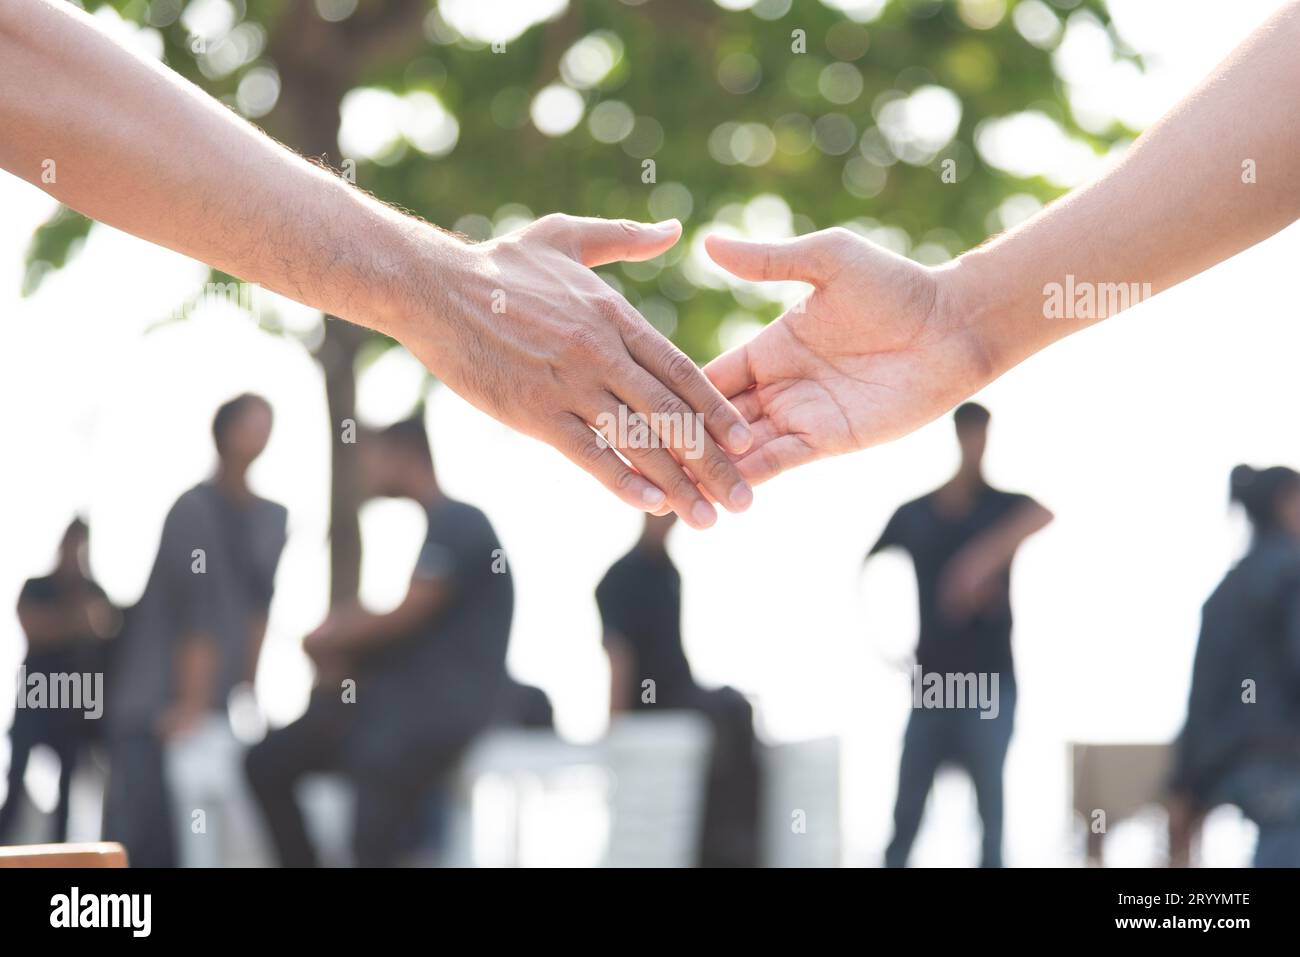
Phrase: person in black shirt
(962,539)
(69,623)
(640,609)
(399,696)
(1241,740)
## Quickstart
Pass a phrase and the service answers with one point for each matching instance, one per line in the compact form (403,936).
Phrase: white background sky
(1127,431)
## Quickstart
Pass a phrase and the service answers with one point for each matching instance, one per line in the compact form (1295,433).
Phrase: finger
(674,369)
(683,432)
(731,372)
(770,459)
(595,242)
(630,434)
(750,406)
(804,259)
(581,446)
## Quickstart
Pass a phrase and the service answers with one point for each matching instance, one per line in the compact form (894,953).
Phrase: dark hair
(1259,491)
(78,528)
(410,435)
(970,413)
(229,414)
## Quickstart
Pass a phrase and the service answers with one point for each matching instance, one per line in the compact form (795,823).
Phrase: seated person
(640,610)
(399,696)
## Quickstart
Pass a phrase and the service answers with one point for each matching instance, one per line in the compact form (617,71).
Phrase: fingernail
(703,514)
(652,497)
(739,437)
(741,495)
(666,225)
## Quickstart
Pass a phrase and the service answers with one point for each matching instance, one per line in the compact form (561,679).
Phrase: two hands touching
(881,346)
(871,355)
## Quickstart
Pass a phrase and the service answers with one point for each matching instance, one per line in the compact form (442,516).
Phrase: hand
(525,331)
(871,355)
(967,586)
(323,640)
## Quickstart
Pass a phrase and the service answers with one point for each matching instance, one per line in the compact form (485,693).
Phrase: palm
(860,362)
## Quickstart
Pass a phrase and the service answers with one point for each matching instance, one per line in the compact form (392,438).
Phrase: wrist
(412,265)
(964,305)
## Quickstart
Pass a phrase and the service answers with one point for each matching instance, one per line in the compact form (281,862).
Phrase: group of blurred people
(399,696)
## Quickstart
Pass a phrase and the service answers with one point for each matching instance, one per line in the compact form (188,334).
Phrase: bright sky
(1127,432)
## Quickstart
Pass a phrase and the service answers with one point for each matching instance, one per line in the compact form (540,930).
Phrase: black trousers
(138,805)
(54,729)
(730,835)
(392,784)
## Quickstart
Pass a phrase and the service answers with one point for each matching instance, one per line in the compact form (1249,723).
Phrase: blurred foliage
(686,67)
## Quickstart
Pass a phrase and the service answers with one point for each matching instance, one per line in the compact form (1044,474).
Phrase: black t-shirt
(932,539)
(445,678)
(640,599)
(71,652)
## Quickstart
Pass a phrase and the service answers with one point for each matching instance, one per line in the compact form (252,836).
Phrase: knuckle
(609,307)
(624,479)
(669,406)
(718,411)
(583,342)
(717,468)
(679,369)
(589,451)
(679,485)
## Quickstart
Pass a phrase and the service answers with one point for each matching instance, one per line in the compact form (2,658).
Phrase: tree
(688,110)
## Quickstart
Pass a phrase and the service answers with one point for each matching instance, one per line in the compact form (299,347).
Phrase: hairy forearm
(130,143)
(1181,200)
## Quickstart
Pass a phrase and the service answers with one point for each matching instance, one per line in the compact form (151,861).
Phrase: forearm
(1179,202)
(196,670)
(136,146)
(996,549)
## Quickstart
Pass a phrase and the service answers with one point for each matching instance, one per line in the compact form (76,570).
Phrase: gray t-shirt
(214,575)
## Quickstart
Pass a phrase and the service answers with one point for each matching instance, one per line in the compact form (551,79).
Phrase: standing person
(67,619)
(196,632)
(399,696)
(962,539)
(1241,741)
(640,609)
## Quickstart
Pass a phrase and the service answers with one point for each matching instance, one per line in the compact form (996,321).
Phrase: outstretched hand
(528,333)
(870,355)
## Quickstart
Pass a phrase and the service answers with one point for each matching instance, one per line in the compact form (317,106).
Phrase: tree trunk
(315,73)
(338,358)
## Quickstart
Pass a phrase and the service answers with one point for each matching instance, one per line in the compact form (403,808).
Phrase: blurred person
(524,706)
(69,623)
(138,147)
(196,633)
(884,345)
(399,696)
(962,539)
(640,609)
(1240,743)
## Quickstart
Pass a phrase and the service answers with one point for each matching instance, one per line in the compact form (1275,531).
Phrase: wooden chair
(103,854)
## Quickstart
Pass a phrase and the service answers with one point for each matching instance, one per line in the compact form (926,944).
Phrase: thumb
(595,242)
(780,260)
